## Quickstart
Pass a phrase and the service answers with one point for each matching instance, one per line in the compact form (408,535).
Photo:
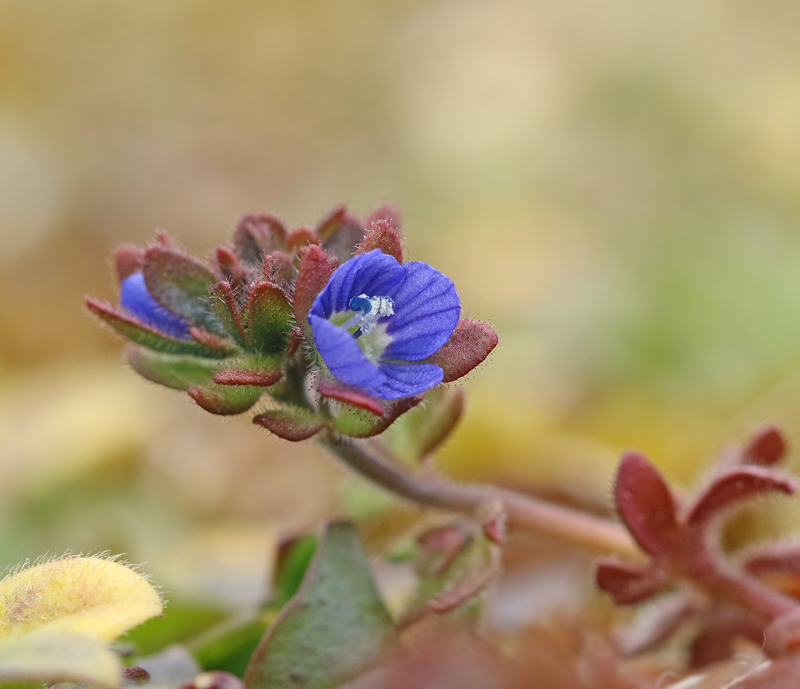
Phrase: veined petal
(342,355)
(405,380)
(137,301)
(427,308)
(373,273)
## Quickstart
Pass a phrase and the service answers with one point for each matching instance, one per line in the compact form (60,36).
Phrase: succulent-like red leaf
(292,424)
(470,343)
(243,377)
(127,260)
(628,583)
(315,271)
(181,284)
(144,335)
(344,393)
(645,504)
(736,486)
(225,400)
(271,318)
(258,234)
(382,236)
(223,304)
(301,237)
(766,447)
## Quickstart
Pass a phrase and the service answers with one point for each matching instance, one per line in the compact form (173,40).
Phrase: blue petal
(342,355)
(373,273)
(404,380)
(137,301)
(426,308)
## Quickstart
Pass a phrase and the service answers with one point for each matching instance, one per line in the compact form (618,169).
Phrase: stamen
(368,311)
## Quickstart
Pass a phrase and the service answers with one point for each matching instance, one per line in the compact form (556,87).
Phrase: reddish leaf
(645,504)
(271,318)
(331,222)
(127,260)
(301,237)
(315,271)
(229,267)
(628,583)
(340,233)
(144,335)
(278,267)
(344,393)
(292,423)
(242,377)
(258,234)
(225,400)
(223,304)
(382,236)
(180,283)
(470,343)
(734,487)
(767,447)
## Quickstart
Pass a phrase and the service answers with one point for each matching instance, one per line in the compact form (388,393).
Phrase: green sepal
(291,423)
(270,318)
(357,423)
(171,370)
(141,334)
(181,284)
(225,400)
(335,628)
(250,370)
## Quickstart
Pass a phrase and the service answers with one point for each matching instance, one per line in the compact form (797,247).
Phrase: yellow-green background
(614,185)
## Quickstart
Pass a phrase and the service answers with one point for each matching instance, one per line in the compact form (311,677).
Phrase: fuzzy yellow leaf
(94,596)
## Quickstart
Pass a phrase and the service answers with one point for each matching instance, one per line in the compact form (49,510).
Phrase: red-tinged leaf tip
(271,318)
(340,233)
(628,583)
(278,267)
(357,424)
(302,236)
(496,526)
(243,377)
(773,557)
(212,342)
(330,223)
(228,265)
(223,304)
(225,400)
(388,213)
(314,273)
(645,504)
(127,260)
(470,343)
(258,234)
(344,393)
(382,236)
(735,487)
(295,340)
(767,447)
(290,424)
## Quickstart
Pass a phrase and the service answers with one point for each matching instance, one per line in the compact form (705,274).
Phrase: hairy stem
(566,526)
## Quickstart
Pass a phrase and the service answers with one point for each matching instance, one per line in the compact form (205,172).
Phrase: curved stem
(562,524)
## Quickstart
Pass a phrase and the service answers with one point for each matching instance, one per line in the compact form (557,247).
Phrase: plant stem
(562,524)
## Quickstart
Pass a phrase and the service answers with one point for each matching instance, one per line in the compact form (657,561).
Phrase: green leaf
(225,400)
(292,570)
(230,646)
(334,628)
(172,371)
(181,284)
(271,318)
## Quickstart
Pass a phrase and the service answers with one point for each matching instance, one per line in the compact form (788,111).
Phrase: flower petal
(342,355)
(426,311)
(137,301)
(404,380)
(373,273)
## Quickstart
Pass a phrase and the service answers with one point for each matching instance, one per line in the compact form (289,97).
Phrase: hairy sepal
(332,388)
(468,346)
(257,235)
(340,233)
(225,400)
(357,423)
(628,583)
(271,318)
(290,423)
(315,271)
(382,236)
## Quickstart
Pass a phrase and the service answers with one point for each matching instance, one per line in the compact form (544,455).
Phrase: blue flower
(376,318)
(138,302)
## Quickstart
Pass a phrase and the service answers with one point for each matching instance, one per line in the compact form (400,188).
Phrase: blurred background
(614,186)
